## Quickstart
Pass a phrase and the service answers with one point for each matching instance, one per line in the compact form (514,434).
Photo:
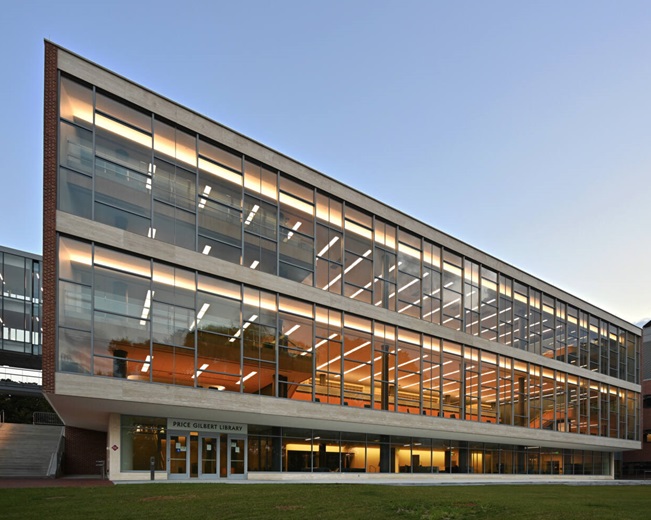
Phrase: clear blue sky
(522,128)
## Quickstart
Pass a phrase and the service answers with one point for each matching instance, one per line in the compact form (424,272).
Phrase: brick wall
(643,455)
(50,113)
(83,449)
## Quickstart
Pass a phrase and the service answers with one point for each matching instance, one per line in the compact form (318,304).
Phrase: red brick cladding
(83,449)
(50,116)
(643,455)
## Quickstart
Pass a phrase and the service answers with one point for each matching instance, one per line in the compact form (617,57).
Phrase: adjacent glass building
(226,311)
(20,302)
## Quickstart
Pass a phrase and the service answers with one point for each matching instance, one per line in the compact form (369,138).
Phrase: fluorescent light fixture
(251,216)
(330,244)
(452,302)
(244,327)
(145,308)
(333,281)
(323,341)
(200,371)
(349,268)
(206,249)
(356,262)
(255,264)
(345,354)
(294,228)
(203,310)
(360,290)
(361,366)
(202,200)
(151,233)
(145,366)
(409,284)
(200,315)
(246,378)
(367,377)
(293,329)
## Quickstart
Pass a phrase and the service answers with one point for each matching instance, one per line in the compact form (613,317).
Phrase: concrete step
(26,449)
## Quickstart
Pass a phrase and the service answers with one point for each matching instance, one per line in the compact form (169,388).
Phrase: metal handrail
(54,468)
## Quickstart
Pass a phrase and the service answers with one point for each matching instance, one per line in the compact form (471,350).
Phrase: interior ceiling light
(294,228)
(246,378)
(202,200)
(145,308)
(293,329)
(244,327)
(145,366)
(330,244)
(251,216)
(200,371)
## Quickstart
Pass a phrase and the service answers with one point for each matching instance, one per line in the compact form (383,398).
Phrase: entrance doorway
(207,456)
(236,456)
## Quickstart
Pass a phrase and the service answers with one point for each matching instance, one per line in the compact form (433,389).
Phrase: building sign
(205,426)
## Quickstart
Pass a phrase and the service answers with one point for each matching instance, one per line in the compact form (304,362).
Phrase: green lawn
(327,501)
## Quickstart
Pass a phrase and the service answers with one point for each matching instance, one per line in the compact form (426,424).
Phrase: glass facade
(20,303)
(301,450)
(275,449)
(136,318)
(129,169)
(402,322)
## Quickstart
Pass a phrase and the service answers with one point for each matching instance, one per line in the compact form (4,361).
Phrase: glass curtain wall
(133,170)
(20,304)
(136,318)
(305,450)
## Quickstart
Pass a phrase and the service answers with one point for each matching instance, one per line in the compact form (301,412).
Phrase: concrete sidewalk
(92,481)
(81,481)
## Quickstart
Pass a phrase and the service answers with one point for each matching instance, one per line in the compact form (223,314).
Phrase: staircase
(26,450)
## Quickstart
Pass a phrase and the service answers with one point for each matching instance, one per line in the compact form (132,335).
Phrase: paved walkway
(53,482)
(90,481)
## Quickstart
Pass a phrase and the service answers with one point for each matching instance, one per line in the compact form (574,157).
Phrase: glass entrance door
(177,455)
(183,455)
(193,455)
(209,461)
(236,456)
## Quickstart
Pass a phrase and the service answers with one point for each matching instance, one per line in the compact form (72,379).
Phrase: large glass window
(452,291)
(141,439)
(431,282)
(160,323)
(358,259)
(296,228)
(259,342)
(130,169)
(409,275)
(329,245)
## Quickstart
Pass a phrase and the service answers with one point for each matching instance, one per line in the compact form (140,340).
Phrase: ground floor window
(223,450)
(142,438)
(304,450)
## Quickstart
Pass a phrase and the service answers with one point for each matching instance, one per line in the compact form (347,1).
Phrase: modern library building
(222,311)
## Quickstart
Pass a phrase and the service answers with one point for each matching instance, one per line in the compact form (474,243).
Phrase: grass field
(328,501)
